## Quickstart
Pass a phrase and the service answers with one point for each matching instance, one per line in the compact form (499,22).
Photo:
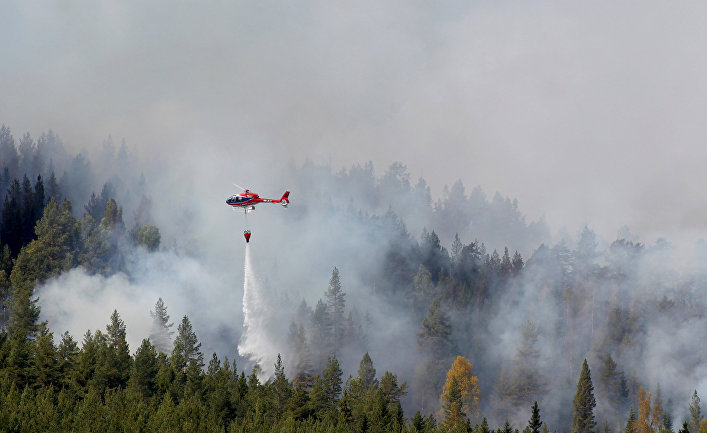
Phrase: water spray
(256,343)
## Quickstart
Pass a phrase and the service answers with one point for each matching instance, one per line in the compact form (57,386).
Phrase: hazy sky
(585,111)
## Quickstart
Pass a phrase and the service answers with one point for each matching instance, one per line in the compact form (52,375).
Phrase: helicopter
(247,200)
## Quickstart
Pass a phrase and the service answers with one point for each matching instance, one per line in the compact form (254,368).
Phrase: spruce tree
(584,403)
(186,349)
(144,370)
(631,421)
(695,413)
(454,415)
(282,390)
(303,370)
(118,360)
(535,424)
(332,380)
(390,388)
(335,304)
(161,332)
(367,373)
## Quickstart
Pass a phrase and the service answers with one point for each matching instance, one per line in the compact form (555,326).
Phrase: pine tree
(695,413)
(517,263)
(610,386)
(27,215)
(11,227)
(186,349)
(53,190)
(144,369)
(631,421)
(52,252)
(39,200)
(281,389)
(117,361)
(67,353)
(45,358)
(435,331)
(161,334)
(332,380)
(335,305)
(584,403)
(390,388)
(320,335)
(96,252)
(506,265)
(456,249)
(535,424)
(454,415)
(367,373)
(303,371)
(434,341)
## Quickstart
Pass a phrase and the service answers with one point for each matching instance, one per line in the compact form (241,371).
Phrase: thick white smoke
(76,301)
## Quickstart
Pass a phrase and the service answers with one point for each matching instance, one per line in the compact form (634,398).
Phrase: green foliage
(584,403)
(186,349)
(454,415)
(535,424)
(148,236)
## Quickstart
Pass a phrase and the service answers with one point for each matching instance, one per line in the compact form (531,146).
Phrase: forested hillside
(482,323)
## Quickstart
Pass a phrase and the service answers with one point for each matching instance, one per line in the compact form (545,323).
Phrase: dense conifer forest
(513,331)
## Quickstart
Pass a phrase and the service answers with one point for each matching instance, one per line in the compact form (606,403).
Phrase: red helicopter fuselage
(248,200)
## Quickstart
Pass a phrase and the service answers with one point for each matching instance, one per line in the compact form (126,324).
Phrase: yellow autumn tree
(703,426)
(467,383)
(644,424)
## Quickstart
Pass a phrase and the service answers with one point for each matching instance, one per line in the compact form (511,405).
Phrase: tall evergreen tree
(40,198)
(335,304)
(631,422)
(584,403)
(695,413)
(52,252)
(53,190)
(144,369)
(282,390)
(303,371)
(332,380)
(11,227)
(535,424)
(27,215)
(117,361)
(435,331)
(161,332)
(46,358)
(517,263)
(186,349)
(367,373)
(454,415)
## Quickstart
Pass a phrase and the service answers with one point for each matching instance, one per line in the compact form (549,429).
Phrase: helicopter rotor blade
(239,186)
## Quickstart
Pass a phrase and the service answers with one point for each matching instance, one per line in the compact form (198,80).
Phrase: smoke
(78,302)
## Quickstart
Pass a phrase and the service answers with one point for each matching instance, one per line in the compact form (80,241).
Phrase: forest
(513,330)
